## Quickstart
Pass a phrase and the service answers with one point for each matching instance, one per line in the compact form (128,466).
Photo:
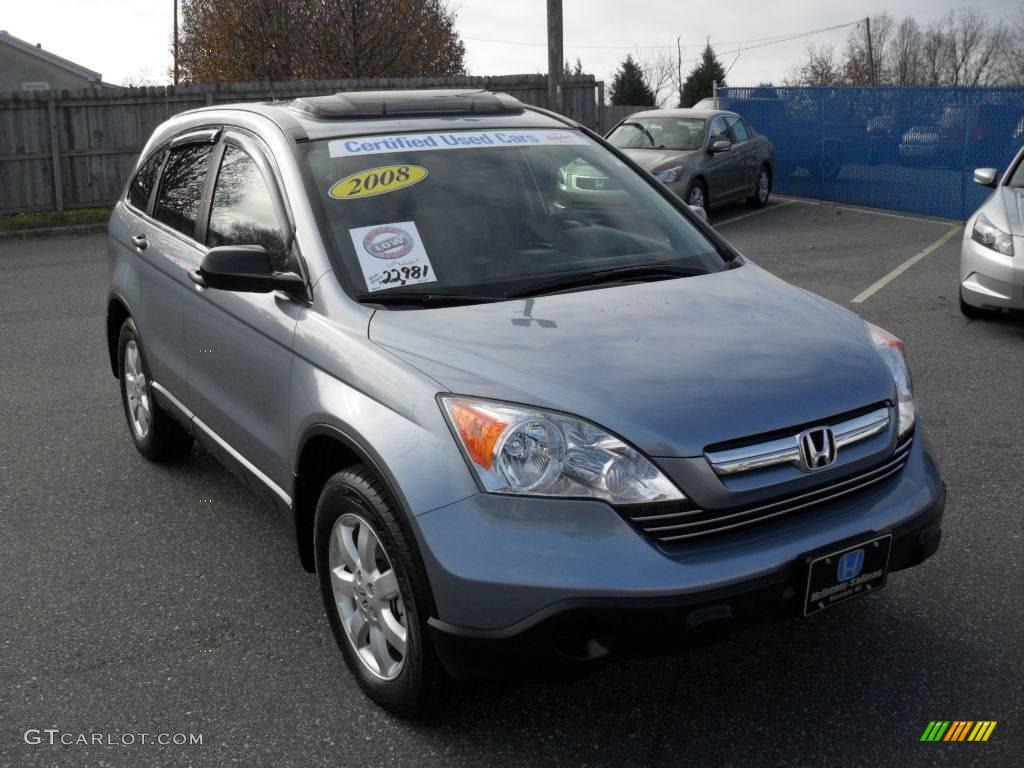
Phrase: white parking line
(892,215)
(875,287)
(752,213)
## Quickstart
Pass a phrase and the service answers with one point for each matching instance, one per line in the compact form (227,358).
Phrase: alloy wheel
(139,410)
(697,196)
(366,594)
(762,186)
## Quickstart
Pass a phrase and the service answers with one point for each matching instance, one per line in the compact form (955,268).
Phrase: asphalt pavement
(137,598)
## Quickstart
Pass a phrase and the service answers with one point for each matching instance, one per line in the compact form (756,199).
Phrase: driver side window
(719,131)
(242,210)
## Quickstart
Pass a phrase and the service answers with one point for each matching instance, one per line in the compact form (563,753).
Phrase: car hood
(658,159)
(671,366)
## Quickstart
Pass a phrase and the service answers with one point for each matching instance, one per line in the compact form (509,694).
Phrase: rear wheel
(375,594)
(156,434)
(762,189)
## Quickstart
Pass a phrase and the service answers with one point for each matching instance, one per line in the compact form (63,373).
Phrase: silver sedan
(706,156)
(991,267)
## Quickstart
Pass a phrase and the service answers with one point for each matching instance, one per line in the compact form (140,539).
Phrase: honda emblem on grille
(817,448)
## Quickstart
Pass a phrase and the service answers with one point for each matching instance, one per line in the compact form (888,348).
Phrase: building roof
(52,58)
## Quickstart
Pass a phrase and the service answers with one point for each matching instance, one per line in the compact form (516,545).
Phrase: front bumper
(518,573)
(990,280)
(582,632)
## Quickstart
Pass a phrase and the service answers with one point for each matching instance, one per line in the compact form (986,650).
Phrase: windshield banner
(422,142)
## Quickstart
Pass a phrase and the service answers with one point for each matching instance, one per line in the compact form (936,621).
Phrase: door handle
(140,242)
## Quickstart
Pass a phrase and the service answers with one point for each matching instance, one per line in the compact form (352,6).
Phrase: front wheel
(375,594)
(762,190)
(697,195)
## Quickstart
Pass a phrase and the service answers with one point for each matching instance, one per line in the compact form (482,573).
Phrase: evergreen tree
(699,84)
(629,88)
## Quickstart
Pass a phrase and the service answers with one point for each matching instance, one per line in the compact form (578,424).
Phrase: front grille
(684,521)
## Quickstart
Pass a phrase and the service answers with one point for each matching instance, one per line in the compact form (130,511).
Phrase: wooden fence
(76,149)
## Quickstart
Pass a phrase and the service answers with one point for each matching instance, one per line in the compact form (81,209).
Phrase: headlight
(670,175)
(519,450)
(989,235)
(891,351)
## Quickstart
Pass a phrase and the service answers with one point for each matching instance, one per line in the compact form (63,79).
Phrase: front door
(240,344)
(723,169)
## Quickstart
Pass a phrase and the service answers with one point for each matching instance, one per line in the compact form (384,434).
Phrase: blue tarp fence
(907,149)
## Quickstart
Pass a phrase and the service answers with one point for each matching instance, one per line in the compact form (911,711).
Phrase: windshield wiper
(424,298)
(646,133)
(610,275)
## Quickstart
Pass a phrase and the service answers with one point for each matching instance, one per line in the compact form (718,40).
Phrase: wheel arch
(324,450)
(117,312)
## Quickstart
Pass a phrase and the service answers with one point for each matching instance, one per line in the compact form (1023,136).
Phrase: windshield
(1017,179)
(490,213)
(679,133)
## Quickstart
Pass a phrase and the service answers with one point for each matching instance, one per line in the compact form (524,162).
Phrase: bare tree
(857,63)
(973,46)
(1014,62)
(139,78)
(659,70)
(905,54)
(822,67)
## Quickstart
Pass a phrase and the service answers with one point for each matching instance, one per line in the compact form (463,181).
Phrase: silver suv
(510,427)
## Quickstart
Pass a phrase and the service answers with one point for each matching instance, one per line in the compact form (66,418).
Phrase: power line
(772,40)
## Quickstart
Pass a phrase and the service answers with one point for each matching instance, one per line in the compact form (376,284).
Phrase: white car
(991,266)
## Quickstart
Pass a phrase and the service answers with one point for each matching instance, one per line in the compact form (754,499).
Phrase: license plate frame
(821,575)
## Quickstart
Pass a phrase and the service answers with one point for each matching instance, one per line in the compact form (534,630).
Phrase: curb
(73,229)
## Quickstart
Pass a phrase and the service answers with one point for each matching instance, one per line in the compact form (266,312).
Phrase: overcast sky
(118,37)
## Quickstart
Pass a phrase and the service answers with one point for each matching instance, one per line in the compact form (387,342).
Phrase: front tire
(156,434)
(375,593)
(697,195)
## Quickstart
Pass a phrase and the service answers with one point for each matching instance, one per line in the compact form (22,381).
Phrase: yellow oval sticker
(377,181)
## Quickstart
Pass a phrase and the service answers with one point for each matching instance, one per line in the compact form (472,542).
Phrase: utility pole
(871,52)
(175,43)
(555,55)
(679,69)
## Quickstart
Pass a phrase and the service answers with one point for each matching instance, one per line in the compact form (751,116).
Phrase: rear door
(164,242)
(723,169)
(240,344)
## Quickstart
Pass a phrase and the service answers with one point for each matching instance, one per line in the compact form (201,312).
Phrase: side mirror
(243,268)
(987,177)
(700,213)
(720,146)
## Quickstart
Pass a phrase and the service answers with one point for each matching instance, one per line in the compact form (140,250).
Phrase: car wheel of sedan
(697,195)
(156,434)
(376,597)
(763,189)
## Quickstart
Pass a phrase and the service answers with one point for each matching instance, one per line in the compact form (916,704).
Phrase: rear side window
(242,212)
(142,184)
(181,187)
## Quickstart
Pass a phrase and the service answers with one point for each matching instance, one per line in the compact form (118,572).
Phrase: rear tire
(370,627)
(762,189)
(156,434)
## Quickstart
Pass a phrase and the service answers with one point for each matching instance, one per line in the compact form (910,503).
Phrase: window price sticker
(392,255)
